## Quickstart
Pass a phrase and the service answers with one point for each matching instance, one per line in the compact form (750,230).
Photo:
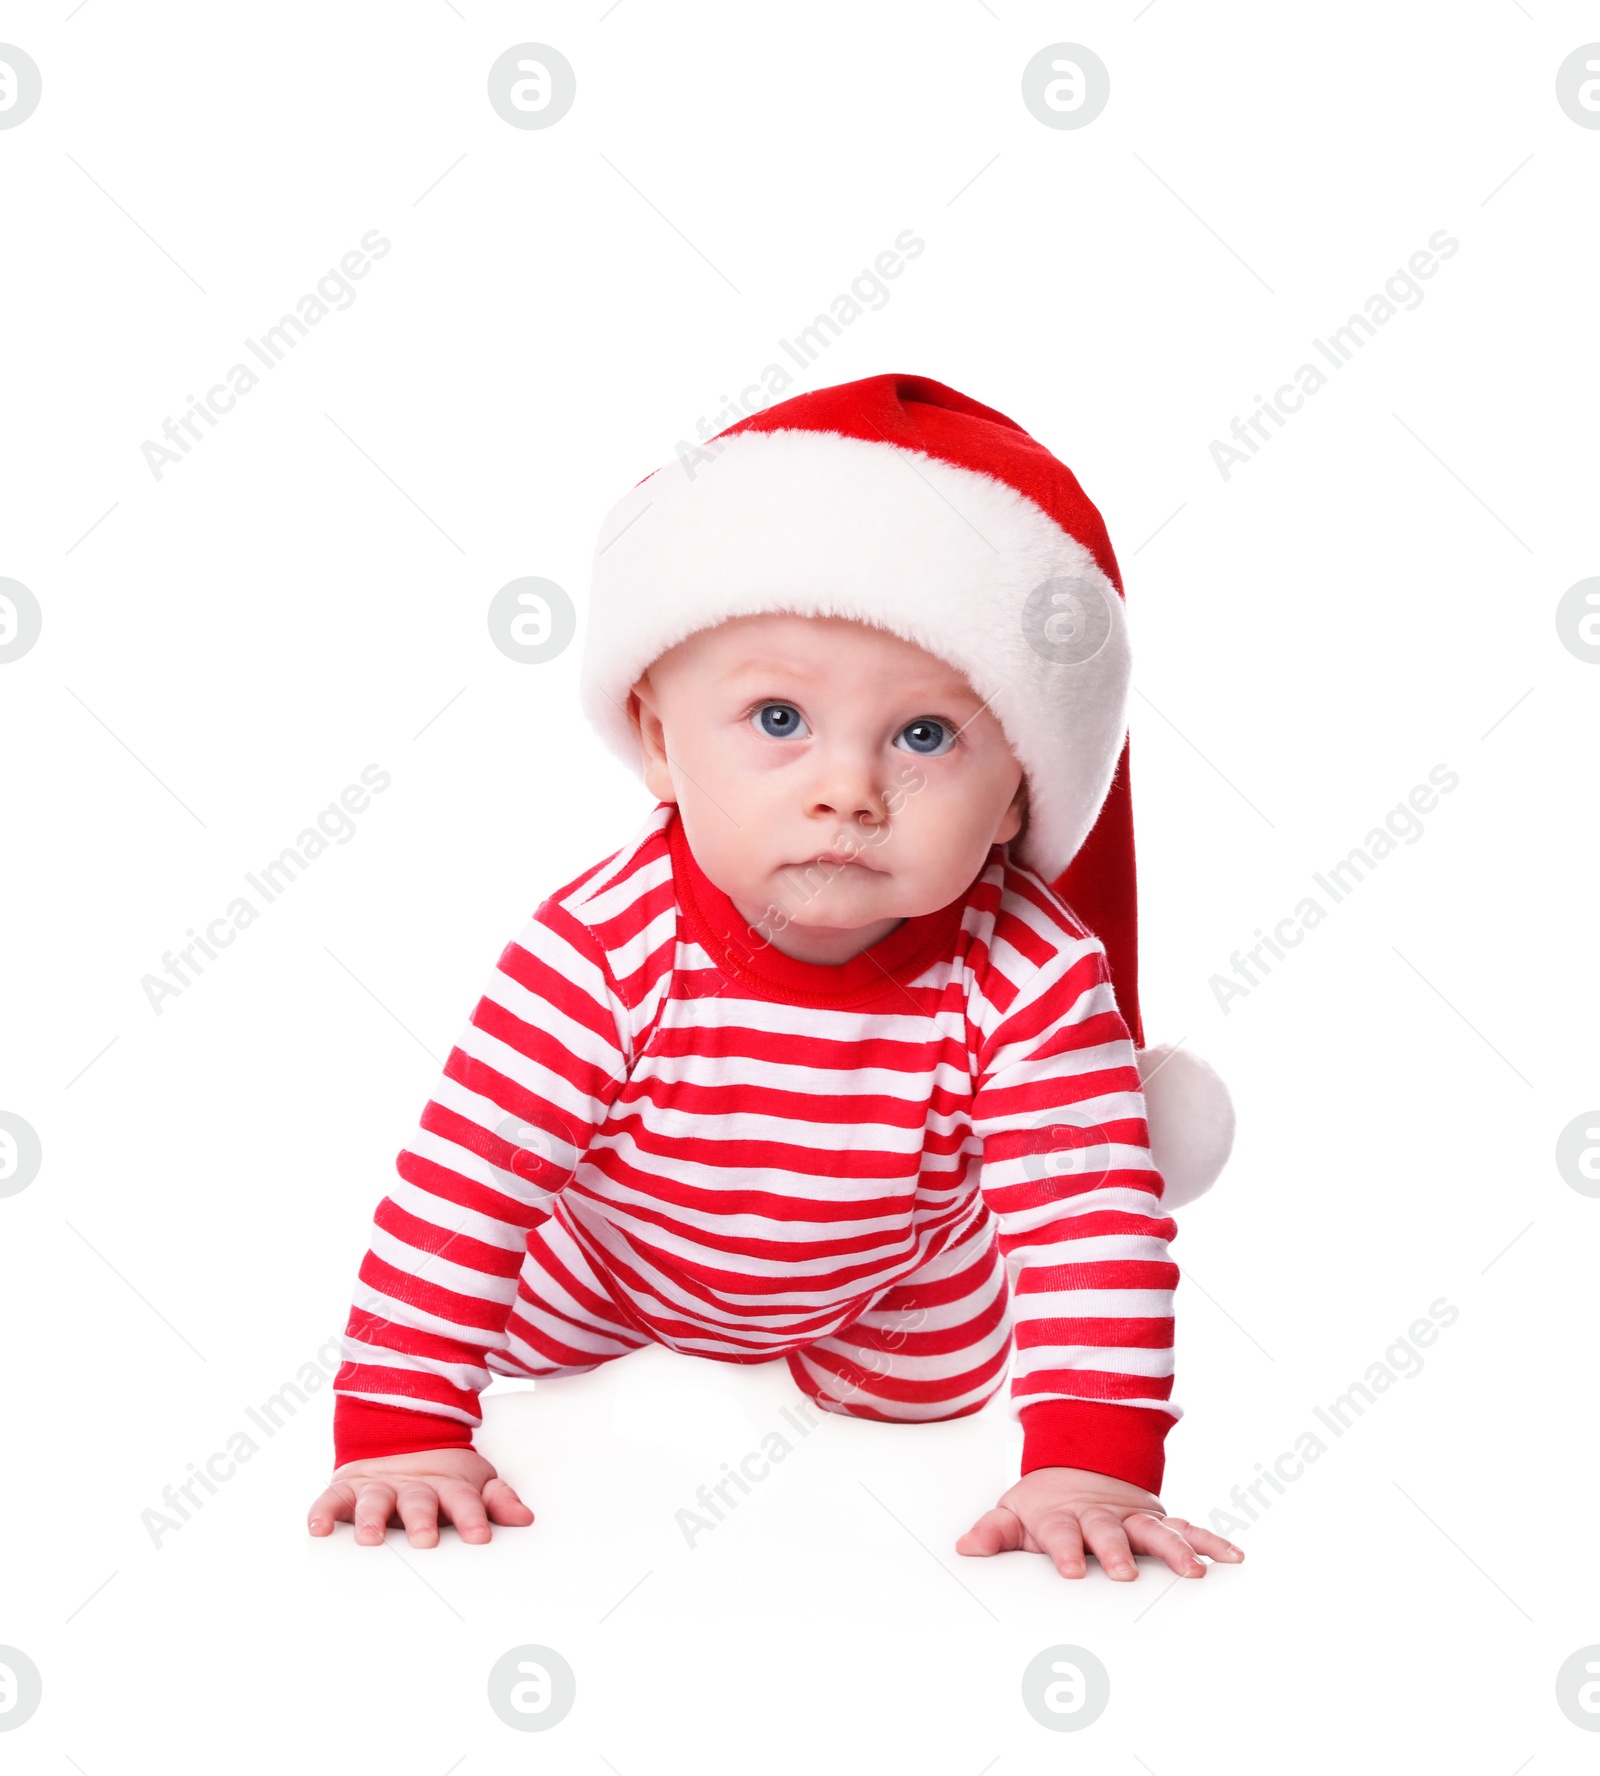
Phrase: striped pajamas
(933,1346)
(897,1174)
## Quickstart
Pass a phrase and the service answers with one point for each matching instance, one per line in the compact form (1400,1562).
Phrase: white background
(224,649)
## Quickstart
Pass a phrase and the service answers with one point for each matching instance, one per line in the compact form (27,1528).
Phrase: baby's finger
(418,1505)
(1102,1530)
(374,1503)
(1204,1541)
(996,1532)
(335,1505)
(463,1505)
(500,1497)
(1150,1535)
(1057,1534)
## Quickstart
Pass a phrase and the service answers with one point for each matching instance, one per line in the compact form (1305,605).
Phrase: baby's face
(832,778)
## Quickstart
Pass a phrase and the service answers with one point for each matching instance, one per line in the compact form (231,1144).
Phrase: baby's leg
(932,1346)
(563,1321)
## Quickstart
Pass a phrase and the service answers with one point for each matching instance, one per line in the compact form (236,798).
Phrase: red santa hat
(900,502)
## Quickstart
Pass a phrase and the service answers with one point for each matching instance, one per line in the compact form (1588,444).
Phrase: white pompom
(1190,1116)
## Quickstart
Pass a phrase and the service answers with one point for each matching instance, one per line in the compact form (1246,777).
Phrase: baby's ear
(1019,809)
(640,712)
(652,741)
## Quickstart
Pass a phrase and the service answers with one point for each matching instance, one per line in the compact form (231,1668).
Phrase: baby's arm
(519,1099)
(1068,1173)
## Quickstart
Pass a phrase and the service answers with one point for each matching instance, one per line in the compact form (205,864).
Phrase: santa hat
(899,502)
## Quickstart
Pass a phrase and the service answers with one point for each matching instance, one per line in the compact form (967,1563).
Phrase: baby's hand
(1060,1511)
(416,1489)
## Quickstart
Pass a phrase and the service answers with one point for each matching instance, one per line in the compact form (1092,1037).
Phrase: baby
(819,1065)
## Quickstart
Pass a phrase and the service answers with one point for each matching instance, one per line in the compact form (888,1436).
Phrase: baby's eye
(928,736)
(779,721)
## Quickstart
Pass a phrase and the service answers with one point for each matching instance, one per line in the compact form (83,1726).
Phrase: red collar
(879,972)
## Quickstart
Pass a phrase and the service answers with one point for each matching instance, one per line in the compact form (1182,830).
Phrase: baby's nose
(848,789)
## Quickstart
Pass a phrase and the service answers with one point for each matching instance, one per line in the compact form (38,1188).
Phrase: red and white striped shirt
(748,1147)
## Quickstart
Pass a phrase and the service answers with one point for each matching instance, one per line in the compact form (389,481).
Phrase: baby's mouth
(833,860)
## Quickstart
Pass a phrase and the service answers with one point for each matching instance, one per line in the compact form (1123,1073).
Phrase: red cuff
(1126,1442)
(362,1430)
